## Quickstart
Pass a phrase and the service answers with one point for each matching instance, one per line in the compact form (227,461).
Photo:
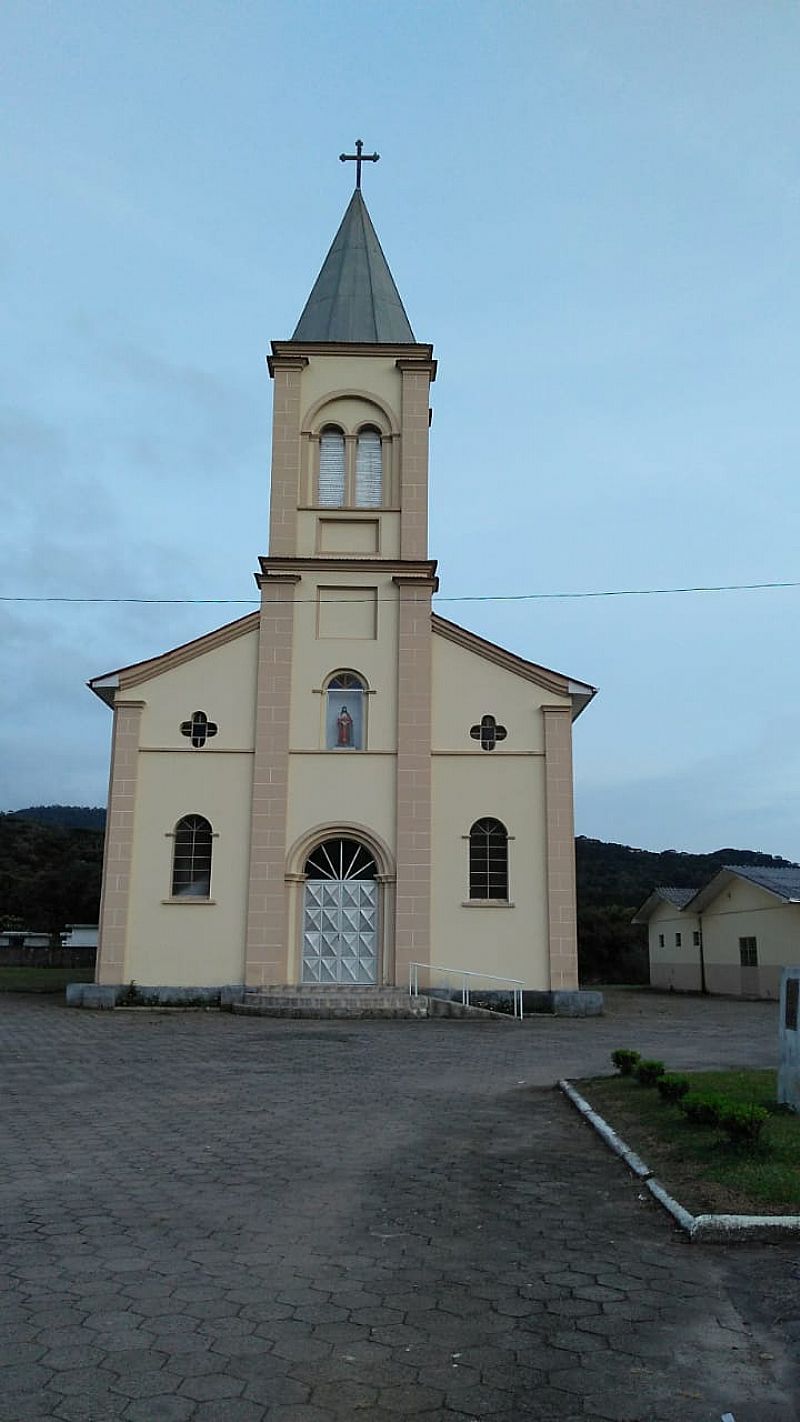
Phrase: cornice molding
(413,570)
(286,362)
(143,671)
(302,349)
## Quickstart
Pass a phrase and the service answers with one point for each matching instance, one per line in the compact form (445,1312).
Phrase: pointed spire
(354,298)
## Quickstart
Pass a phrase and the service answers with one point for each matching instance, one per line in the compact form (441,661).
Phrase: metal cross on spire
(358,158)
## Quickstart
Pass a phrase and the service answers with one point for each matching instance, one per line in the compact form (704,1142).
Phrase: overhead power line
(440,597)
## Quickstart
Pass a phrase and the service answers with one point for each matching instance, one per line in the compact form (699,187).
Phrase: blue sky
(590,208)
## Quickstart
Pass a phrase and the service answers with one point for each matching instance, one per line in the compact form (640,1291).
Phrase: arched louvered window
(488,860)
(191,858)
(331,468)
(369,469)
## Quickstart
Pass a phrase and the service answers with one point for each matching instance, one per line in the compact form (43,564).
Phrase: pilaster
(118,848)
(266,948)
(287,373)
(413,847)
(560,841)
(416,376)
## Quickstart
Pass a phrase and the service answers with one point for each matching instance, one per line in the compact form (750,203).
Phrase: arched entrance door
(340,914)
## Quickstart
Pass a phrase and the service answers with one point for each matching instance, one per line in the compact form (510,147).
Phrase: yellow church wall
(315,657)
(349,533)
(333,376)
(509,941)
(344,788)
(189,942)
(467,686)
(221,682)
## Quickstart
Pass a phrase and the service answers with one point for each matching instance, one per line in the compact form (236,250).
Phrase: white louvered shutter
(369,470)
(331,469)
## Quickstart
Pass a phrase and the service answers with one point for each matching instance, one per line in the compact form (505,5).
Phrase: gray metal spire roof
(354,297)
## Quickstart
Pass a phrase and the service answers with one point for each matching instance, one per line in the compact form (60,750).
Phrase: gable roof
(106,685)
(354,298)
(109,683)
(784,884)
(662,894)
(579,692)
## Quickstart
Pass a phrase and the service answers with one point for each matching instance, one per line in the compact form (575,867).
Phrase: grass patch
(42,979)
(696,1163)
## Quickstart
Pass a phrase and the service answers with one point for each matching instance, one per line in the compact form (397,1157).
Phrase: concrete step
(349,1001)
(326,1012)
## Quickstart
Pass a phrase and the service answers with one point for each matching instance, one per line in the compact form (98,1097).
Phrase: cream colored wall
(467,686)
(189,943)
(193,943)
(674,967)
(511,942)
(315,658)
(322,378)
(744,911)
(220,682)
(312,540)
(326,376)
(668,920)
(507,784)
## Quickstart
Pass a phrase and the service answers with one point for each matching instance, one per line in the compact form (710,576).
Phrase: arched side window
(488,860)
(344,712)
(331,491)
(191,858)
(369,468)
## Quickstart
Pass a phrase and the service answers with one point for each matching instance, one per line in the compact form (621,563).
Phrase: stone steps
(350,1001)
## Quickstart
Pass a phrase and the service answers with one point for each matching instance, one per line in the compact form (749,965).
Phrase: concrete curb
(701,1229)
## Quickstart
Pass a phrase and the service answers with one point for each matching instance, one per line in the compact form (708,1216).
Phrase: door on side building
(340,914)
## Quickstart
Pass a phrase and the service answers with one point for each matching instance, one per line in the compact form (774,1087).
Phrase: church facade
(342,784)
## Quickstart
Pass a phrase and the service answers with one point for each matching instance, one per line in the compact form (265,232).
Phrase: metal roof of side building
(662,894)
(783,882)
(354,299)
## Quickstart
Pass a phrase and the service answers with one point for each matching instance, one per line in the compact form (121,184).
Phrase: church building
(342,784)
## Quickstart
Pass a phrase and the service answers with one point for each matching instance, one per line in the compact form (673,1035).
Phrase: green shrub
(743,1124)
(704,1110)
(647,1072)
(672,1088)
(625,1060)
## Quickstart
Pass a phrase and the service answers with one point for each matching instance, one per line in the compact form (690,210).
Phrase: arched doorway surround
(343,907)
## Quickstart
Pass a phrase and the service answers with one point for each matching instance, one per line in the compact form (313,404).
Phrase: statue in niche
(344,728)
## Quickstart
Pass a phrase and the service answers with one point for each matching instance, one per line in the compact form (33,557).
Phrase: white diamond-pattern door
(340,931)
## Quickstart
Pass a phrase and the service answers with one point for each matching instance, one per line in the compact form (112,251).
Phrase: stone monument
(789,1039)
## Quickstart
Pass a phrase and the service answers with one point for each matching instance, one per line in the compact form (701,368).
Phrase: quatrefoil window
(199,729)
(488,733)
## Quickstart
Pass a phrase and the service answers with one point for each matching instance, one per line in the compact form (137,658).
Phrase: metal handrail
(516,984)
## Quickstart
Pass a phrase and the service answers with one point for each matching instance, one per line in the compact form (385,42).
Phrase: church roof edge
(122,678)
(580,693)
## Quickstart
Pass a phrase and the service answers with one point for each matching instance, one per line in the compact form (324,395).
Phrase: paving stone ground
(219,1219)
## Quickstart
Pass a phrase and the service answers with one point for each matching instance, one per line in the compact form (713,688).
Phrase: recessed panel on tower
(347,613)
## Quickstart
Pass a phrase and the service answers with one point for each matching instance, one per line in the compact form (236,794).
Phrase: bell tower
(351,412)
(346,591)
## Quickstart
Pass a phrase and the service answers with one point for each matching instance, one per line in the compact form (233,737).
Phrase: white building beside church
(342,783)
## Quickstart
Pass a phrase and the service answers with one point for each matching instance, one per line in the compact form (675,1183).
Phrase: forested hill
(618,874)
(67,816)
(49,874)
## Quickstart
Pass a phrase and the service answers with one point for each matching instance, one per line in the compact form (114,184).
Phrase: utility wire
(468,597)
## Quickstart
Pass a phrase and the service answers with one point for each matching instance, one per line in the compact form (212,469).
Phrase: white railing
(464,982)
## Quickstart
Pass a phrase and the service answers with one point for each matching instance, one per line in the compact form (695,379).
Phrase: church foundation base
(110,995)
(576,1002)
